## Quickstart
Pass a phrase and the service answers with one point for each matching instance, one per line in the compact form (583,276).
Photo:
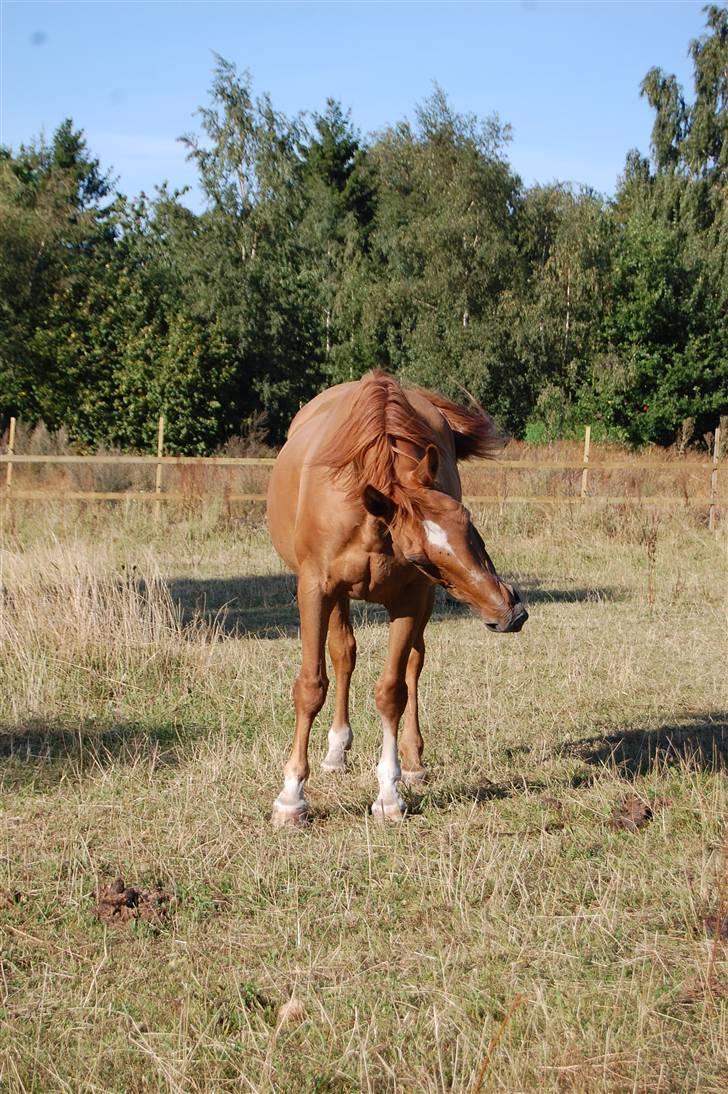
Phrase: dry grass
(507,936)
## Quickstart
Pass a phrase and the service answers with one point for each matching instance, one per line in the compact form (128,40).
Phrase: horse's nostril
(513,623)
(518,618)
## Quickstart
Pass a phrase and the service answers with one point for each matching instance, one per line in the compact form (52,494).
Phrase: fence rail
(586,465)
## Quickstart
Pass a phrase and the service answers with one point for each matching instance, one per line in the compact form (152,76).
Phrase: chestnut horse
(364,503)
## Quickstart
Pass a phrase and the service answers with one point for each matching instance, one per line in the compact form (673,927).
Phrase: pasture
(511,934)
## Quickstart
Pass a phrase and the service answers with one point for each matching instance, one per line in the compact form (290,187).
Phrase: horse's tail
(475,433)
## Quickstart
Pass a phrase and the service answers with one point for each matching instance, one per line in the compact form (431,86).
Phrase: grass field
(506,936)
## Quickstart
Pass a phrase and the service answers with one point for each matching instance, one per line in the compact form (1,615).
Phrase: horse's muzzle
(514,621)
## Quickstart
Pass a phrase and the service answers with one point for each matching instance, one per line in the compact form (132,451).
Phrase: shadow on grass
(261,606)
(264,606)
(421,799)
(39,754)
(700,742)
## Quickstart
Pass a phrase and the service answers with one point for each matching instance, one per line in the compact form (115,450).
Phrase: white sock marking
(340,740)
(291,799)
(389,774)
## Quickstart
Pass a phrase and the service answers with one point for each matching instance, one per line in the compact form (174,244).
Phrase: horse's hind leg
(342,647)
(309,694)
(411,745)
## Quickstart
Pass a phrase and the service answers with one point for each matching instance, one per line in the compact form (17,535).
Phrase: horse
(364,503)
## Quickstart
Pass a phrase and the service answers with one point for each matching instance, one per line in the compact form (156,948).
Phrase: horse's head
(445,545)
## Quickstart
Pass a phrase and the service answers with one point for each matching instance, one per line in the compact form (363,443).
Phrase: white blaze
(437,536)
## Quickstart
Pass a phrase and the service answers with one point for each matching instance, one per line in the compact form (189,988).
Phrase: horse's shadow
(264,605)
(475,793)
(251,605)
(699,742)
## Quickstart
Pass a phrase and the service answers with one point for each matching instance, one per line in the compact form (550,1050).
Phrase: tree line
(319,255)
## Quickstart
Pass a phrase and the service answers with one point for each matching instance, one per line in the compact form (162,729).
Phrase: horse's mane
(361,450)
(474,432)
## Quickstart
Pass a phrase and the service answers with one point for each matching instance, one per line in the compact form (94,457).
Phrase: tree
(248,270)
(554,317)
(442,254)
(53,230)
(338,208)
(665,352)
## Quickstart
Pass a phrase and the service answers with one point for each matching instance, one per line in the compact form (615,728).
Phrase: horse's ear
(427,468)
(377,503)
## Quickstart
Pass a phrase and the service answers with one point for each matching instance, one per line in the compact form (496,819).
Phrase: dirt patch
(118,904)
(631,814)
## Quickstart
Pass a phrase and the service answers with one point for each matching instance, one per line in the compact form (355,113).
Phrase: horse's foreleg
(309,695)
(411,744)
(342,648)
(391,698)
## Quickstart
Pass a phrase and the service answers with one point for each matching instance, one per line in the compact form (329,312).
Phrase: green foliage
(318,256)
(53,233)
(565,242)
(442,255)
(665,335)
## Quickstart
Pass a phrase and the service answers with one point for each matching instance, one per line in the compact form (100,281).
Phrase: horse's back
(309,428)
(323,403)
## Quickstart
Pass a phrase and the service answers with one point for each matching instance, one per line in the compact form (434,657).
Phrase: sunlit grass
(146,715)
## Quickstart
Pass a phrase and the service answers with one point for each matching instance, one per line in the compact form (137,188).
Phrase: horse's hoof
(290,816)
(414,778)
(388,811)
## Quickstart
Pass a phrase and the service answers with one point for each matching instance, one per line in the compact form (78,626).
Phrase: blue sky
(131,74)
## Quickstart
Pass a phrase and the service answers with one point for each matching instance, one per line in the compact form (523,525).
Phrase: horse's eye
(421,562)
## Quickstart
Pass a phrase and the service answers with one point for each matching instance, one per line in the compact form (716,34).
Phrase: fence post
(585,472)
(714,479)
(9,476)
(158,483)
(11,452)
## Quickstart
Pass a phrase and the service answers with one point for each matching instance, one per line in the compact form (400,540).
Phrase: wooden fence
(11,459)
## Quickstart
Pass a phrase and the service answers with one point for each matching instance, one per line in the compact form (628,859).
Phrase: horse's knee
(391,697)
(343,653)
(309,692)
